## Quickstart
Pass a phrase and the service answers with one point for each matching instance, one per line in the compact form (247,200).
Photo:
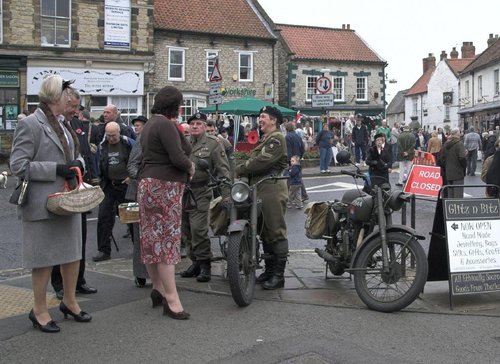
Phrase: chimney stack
(468,50)
(443,55)
(492,39)
(454,53)
(429,62)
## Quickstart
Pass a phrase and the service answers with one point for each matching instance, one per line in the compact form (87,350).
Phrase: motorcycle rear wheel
(392,291)
(240,270)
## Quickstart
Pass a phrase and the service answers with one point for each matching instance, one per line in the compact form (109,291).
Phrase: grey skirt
(52,242)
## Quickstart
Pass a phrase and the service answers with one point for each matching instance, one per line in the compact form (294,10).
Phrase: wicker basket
(82,199)
(128,212)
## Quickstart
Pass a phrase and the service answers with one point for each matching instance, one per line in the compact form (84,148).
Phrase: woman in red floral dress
(166,168)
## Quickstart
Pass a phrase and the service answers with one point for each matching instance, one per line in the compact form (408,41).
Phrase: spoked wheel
(240,269)
(400,286)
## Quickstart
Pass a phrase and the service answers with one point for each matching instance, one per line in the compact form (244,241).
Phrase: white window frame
(250,67)
(467,90)
(211,55)
(496,82)
(1,21)
(192,103)
(363,89)
(414,104)
(183,64)
(128,106)
(338,91)
(55,19)
(480,88)
(311,81)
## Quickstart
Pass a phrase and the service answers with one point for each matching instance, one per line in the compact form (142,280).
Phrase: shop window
(55,23)
(128,107)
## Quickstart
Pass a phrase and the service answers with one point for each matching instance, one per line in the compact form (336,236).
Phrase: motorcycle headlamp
(240,192)
(396,200)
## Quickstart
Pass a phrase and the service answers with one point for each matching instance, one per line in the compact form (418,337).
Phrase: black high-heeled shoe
(82,316)
(183,315)
(50,327)
(156,298)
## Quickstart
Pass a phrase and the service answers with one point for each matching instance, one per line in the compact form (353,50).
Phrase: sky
(401,32)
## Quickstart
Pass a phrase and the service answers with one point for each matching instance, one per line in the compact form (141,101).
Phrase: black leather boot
(278,278)
(268,271)
(205,271)
(192,271)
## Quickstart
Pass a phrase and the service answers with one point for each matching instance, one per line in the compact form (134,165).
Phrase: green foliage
(241,156)
(311,154)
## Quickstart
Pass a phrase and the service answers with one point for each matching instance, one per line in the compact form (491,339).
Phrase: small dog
(3,179)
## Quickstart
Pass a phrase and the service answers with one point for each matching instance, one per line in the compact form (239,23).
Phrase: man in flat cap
(269,158)
(194,232)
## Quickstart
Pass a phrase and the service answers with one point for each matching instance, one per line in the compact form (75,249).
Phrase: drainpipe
(289,86)
(384,88)
(273,78)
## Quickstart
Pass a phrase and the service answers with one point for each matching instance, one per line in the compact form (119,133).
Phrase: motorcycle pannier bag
(218,217)
(316,219)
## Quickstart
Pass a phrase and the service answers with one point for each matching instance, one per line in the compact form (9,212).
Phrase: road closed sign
(424,180)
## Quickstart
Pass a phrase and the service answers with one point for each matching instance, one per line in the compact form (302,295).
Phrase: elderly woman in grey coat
(43,150)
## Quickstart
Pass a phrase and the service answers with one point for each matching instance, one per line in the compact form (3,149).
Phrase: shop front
(98,86)
(9,106)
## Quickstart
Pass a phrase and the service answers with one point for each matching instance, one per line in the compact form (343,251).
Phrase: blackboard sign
(473,242)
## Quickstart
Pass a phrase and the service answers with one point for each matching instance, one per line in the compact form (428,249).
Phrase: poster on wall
(117,24)
(91,81)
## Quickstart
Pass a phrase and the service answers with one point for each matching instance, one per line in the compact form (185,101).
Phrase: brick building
(105,46)
(189,37)
(354,71)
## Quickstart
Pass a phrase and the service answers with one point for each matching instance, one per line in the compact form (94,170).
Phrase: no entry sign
(424,180)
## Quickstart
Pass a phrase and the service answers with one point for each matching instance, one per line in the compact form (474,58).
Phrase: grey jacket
(37,145)
(133,165)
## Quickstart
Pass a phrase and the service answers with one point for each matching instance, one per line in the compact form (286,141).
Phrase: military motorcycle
(387,261)
(241,249)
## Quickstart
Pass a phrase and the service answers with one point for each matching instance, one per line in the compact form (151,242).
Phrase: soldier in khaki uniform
(195,223)
(226,144)
(270,158)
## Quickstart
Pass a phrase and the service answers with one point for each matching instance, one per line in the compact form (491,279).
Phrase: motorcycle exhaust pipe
(325,255)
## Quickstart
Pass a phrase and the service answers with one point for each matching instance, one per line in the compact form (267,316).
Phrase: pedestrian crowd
(157,165)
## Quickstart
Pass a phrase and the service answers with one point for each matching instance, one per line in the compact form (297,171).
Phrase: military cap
(198,116)
(139,118)
(273,112)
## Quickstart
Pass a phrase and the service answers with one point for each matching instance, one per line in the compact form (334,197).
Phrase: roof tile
(490,54)
(420,86)
(224,17)
(326,44)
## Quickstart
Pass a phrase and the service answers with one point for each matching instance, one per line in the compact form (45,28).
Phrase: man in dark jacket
(360,139)
(115,152)
(454,162)
(295,146)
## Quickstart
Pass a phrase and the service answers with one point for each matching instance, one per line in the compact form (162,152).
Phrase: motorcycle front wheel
(240,268)
(400,286)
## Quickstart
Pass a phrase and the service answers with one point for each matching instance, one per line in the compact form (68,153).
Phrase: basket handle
(78,177)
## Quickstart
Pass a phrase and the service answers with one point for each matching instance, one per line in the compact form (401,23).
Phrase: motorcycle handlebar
(353,174)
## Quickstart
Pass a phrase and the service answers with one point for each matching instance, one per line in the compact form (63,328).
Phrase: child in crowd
(294,193)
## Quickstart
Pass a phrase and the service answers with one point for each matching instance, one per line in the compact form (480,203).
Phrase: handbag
(188,200)
(81,199)
(19,196)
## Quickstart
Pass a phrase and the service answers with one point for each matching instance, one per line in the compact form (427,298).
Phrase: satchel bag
(69,202)
(19,196)
(188,200)
(316,219)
